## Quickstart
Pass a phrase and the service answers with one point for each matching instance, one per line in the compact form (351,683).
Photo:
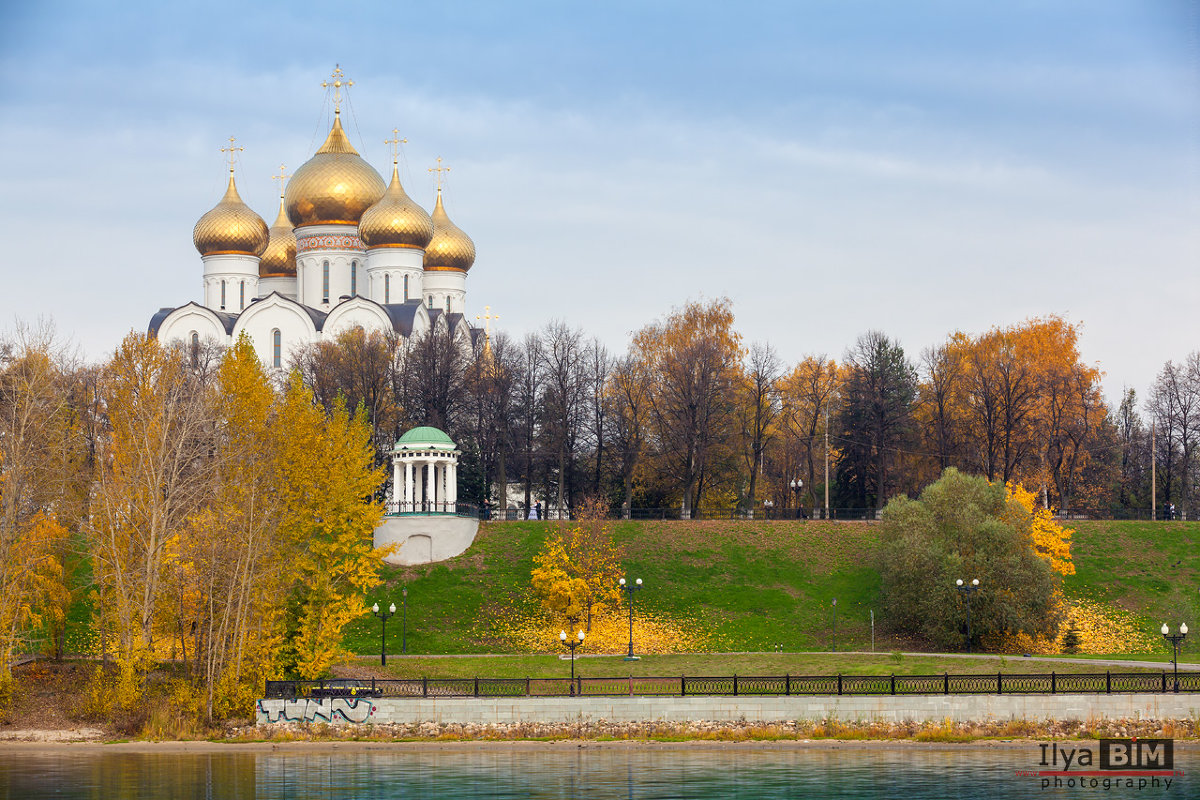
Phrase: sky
(830,167)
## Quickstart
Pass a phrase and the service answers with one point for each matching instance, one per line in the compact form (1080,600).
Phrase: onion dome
(230,227)
(335,186)
(449,248)
(396,220)
(279,259)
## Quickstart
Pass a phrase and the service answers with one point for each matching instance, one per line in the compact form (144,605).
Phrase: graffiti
(327,710)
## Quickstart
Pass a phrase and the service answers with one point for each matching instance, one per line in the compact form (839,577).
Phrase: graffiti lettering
(328,710)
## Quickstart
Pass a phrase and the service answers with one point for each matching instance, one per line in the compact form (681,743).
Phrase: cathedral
(345,250)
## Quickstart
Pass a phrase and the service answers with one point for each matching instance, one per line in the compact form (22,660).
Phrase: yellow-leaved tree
(577,570)
(1051,541)
(328,515)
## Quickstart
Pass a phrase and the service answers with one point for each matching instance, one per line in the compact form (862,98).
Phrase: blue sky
(831,167)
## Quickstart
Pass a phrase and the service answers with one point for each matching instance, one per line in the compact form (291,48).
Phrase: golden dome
(449,248)
(335,186)
(396,220)
(230,227)
(279,259)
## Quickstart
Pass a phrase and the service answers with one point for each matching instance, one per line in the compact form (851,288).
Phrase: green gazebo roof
(424,438)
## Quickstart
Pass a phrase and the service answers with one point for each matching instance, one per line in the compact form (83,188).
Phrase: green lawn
(756,585)
(545,666)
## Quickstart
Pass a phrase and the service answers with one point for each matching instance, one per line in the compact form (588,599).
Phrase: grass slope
(760,584)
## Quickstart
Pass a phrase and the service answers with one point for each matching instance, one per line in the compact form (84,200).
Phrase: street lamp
(1175,639)
(404,621)
(629,589)
(571,645)
(967,591)
(383,615)
(833,638)
(797,484)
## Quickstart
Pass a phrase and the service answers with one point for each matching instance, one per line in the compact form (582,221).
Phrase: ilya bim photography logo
(1106,764)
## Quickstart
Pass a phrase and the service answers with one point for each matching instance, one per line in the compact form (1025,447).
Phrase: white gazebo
(424,473)
(424,521)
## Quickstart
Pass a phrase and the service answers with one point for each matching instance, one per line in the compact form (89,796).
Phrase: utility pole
(1153,477)
(827,459)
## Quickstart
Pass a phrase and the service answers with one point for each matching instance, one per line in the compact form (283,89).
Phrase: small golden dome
(335,186)
(230,227)
(449,248)
(279,259)
(396,220)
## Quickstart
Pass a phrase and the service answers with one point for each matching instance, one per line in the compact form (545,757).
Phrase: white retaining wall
(934,708)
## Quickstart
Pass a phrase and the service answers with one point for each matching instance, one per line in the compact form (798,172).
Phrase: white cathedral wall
(386,269)
(240,276)
(443,283)
(355,313)
(285,287)
(183,322)
(265,317)
(338,245)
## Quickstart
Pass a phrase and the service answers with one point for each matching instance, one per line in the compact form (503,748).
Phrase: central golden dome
(335,186)
(396,220)
(279,259)
(230,227)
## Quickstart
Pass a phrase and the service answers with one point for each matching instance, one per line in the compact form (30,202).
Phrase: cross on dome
(337,84)
(232,151)
(395,143)
(439,169)
(282,178)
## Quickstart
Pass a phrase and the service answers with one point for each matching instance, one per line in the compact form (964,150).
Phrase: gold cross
(439,169)
(282,178)
(395,143)
(337,85)
(233,151)
(487,320)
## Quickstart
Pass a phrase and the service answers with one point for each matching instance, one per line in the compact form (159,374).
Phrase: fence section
(751,685)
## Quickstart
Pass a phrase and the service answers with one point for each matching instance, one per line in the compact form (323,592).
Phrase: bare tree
(757,410)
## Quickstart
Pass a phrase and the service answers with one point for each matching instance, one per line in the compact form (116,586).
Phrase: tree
(578,568)
(877,421)
(758,411)
(154,470)
(808,395)
(690,362)
(42,480)
(626,396)
(964,527)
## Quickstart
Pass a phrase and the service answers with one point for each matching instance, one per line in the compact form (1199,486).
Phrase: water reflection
(644,773)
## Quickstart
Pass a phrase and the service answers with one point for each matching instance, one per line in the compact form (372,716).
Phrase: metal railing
(749,685)
(456,509)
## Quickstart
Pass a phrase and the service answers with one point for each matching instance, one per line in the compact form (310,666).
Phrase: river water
(642,772)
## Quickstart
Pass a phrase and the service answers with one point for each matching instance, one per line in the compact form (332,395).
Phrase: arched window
(222,295)
(325,282)
(430,302)
(276,348)
(406,288)
(354,279)
(387,289)
(242,298)
(447,304)
(195,339)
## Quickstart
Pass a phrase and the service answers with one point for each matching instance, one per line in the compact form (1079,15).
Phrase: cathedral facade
(345,250)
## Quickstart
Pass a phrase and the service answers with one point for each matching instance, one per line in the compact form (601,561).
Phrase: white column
(408,485)
(452,482)
(418,485)
(397,487)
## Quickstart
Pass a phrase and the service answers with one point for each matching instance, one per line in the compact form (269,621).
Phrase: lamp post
(571,644)
(383,615)
(629,589)
(833,638)
(967,590)
(404,621)
(1175,639)
(797,485)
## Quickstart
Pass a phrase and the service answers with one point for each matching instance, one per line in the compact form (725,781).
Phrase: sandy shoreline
(325,748)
